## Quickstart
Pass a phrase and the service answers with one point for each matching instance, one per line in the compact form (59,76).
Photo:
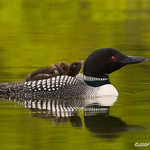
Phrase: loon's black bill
(134,60)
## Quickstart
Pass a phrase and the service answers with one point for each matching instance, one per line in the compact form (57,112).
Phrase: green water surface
(35,33)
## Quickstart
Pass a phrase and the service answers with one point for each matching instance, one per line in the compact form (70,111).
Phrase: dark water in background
(38,33)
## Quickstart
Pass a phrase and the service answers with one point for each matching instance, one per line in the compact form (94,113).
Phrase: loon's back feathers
(10,87)
(51,80)
(55,70)
(55,87)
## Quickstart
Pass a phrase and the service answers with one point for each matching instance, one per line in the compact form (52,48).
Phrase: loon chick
(55,70)
(93,84)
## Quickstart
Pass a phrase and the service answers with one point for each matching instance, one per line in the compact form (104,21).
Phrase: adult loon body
(94,83)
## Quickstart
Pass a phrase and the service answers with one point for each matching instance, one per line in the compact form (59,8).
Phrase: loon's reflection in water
(93,117)
(105,126)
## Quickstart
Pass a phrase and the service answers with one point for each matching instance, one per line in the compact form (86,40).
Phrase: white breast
(106,95)
(107,90)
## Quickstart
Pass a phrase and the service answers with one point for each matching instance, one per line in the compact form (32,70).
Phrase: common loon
(55,70)
(94,83)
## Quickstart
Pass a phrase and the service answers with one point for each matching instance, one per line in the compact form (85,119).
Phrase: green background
(35,33)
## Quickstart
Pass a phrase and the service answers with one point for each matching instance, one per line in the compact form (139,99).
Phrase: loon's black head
(104,61)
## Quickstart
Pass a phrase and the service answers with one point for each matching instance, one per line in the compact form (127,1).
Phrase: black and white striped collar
(95,82)
(89,78)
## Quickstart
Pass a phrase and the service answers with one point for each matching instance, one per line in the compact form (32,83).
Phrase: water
(36,33)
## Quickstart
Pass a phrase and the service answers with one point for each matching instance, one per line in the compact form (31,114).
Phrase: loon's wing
(55,87)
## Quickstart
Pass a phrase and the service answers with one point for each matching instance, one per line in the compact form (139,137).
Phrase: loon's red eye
(114,58)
